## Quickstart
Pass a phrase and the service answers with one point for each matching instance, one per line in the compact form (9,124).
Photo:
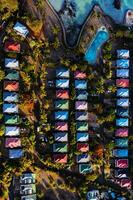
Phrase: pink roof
(79,75)
(122,82)
(61,126)
(83,147)
(60,158)
(11,85)
(62,94)
(126,183)
(12,142)
(121,132)
(121,163)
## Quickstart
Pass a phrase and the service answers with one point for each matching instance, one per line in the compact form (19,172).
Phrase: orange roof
(12,46)
(83,147)
(62,94)
(11,85)
(60,158)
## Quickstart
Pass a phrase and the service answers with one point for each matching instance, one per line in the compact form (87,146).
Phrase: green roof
(12,75)
(9,119)
(85,168)
(62,104)
(82,126)
(60,147)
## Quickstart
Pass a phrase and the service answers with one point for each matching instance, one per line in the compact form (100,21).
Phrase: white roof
(21,29)
(11,63)
(12,131)
(123,53)
(10,108)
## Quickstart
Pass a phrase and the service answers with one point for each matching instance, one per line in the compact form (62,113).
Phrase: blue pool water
(100,38)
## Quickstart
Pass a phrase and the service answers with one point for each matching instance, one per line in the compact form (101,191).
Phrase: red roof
(122,83)
(12,142)
(121,163)
(61,126)
(83,147)
(79,75)
(60,158)
(62,94)
(121,132)
(11,85)
(12,47)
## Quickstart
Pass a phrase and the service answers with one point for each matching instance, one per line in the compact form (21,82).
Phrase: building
(123,53)
(60,147)
(61,126)
(10,108)
(61,115)
(121,163)
(122,122)
(121,173)
(121,153)
(122,73)
(12,75)
(81,84)
(85,168)
(21,29)
(11,63)
(81,116)
(60,158)
(93,195)
(12,131)
(62,83)
(81,95)
(83,158)
(81,105)
(123,112)
(28,178)
(62,72)
(122,63)
(123,102)
(10,97)
(123,92)
(11,86)
(61,136)
(11,119)
(122,132)
(28,189)
(62,94)
(82,126)
(120,142)
(83,147)
(79,75)
(11,46)
(61,104)
(12,142)
(122,83)
(82,137)
(15,153)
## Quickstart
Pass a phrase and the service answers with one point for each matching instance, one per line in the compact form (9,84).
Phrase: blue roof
(83,158)
(122,112)
(81,84)
(81,94)
(21,29)
(10,108)
(123,53)
(123,102)
(123,63)
(122,73)
(122,92)
(93,195)
(61,136)
(81,116)
(120,153)
(10,96)
(121,142)
(62,72)
(15,153)
(62,83)
(121,173)
(122,122)
(82,137)
(61,115)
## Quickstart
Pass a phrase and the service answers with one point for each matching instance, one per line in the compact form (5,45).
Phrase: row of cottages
(81,118)
(25,186)
(122,122)
(11,100)
(61,116)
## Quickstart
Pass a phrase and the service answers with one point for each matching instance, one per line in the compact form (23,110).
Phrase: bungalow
(11,63)
(21,29)
(80,75)
(82,137)
(60,158)
(121,132)
(81,94)
(61,126)
(83,147)
(61,137)
(83,158)
(82,126)
(122,63)
(122,122)
(61,115)
(122,73)
(12,142)
(27,197)
(121,173)
(12,131)
(81,84)
(123,92)
(11,46)
(28,178)
(10,97)
(121,153)
(81,105)
(11,86)
(121,163)
(15,153)
(12,75)
(62,94)
(60,147)
(11,119)
(10,108)
(62,104)
(62,72)
(126,183)
(123,83)
(123,102)
(85,168)
(28,189)
(81,116)
(123,112)
(121,142)
(62,83)
(123,53)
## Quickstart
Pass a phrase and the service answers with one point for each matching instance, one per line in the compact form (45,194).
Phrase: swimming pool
(100,38)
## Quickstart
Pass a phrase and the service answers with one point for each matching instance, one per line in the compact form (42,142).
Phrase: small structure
(61,126)
(123,112)
(81,105)
(60,158)
(122,132)
(11,119)
(123,122)
(123,92)
(62,83)
(12,75)
(12,131)
(121,163)
(122,73)
(62,94)
(85,168)
(79,75)
(81,116)
(11,46)
(62,72)
(60,148)
(61,115)
(21,29)
(83,147)
(15,153)
(123,102)
(82,137)
(12,142)
(129,18)
(123,53)
(122,83)
(81,95)
(122,63)
(82,126)
(81,84)
(11,86)
(62,104)
(11,63)
(83,158)
(121,142)
(10,108)
(10,97)
(121,153)
(61,137)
